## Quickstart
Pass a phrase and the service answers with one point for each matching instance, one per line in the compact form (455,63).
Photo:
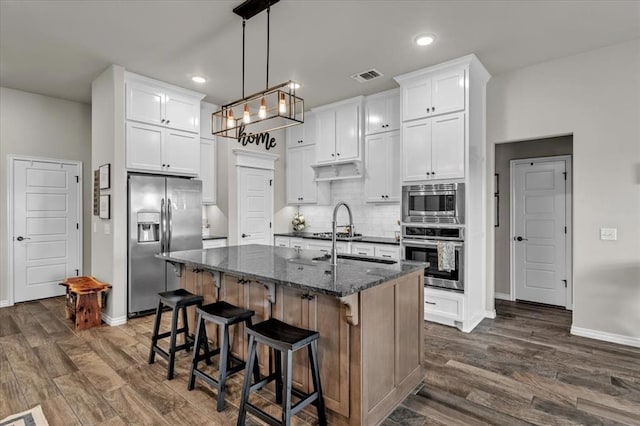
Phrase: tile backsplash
(378,220)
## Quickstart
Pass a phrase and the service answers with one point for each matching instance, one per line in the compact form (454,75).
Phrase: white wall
(596,97)
(42,126)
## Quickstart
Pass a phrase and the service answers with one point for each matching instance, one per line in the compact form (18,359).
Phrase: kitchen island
(369,316)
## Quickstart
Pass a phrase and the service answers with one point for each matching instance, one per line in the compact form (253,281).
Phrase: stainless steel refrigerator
(165,214)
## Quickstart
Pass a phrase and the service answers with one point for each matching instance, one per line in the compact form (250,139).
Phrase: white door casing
(255,205)
(540,218)
(45,221)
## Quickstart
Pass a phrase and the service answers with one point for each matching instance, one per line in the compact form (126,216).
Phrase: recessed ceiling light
(198,79)
(294,85)
(425,39)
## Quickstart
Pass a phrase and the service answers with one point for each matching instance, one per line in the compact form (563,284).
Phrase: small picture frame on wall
(105,206)
(105,176)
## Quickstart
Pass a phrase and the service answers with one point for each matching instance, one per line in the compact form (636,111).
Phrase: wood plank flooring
(521,368)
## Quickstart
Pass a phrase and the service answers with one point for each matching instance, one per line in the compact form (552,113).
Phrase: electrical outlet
(609,234)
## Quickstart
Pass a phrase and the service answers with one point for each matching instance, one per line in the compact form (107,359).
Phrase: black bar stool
(284,339)
(224,315)
(176,299)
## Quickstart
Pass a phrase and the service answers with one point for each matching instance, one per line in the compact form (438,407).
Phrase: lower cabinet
(443,306)
(221,242)
(281,242)
(344,247)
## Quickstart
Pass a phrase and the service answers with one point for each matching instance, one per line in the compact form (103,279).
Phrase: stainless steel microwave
(440,203)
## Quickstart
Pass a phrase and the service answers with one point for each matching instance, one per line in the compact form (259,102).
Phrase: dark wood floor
(521,368)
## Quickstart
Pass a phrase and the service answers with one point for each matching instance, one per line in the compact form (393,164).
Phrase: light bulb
(231,122)
(262,112)
(282,105)
(246,117)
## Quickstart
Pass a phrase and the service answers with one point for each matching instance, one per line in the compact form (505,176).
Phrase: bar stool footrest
(307,399)
(261,414)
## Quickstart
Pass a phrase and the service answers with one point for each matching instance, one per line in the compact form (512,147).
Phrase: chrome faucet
(334,253)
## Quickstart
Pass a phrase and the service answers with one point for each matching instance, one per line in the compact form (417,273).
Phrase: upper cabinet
(338,130)
(439,93)
(206,111)
(160,106)
(208,170)
(382,175)
(162,128)
(303,134)
(382,112)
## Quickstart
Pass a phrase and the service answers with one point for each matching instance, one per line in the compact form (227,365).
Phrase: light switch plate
(610,234)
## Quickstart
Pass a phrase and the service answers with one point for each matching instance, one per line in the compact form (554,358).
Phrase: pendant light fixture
(273,108)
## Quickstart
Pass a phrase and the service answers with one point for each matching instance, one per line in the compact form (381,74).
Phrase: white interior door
(255,206)
(538,231)
(46,227)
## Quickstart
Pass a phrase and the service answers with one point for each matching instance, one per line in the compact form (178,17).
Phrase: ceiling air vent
(363,77)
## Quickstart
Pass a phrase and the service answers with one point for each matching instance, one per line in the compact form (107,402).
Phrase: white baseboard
(5,304)
(502,296)
(114,321)
(490,314)
(607,337)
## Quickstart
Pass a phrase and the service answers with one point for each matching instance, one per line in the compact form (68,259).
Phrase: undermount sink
(327,257)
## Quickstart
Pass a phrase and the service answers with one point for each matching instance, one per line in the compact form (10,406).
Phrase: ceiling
(57,48)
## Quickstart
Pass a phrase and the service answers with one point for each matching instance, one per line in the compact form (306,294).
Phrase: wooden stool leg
(196,353)
(172,344)
(313,358)
(224,366)
(286,391)
(154,336)
(246,387)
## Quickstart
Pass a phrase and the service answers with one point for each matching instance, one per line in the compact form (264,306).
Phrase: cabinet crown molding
(464,61)
(133,77)
(357,99)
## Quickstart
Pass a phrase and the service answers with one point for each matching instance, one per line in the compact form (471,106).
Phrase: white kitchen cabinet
(434,148)
(206,129)
(362,249)
(382,168)
(387,251)
(303,134)
(382,112)
(301,185)
(162,106)
(157,149)
(338,131)
(208,170)
(443,306)
(325,246)
(298,243)
(281,242)
(438,93)
(219,242)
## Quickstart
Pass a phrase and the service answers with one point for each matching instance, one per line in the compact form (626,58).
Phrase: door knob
(521,239)
(245,235)
(22,238)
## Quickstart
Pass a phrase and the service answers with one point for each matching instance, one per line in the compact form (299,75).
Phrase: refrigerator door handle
(170,226)
(162,226)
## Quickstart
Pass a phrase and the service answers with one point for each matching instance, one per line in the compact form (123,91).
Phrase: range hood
(338,170)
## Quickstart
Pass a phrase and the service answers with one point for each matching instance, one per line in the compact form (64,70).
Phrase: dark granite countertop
(294,268)
(362,239)
(213,237)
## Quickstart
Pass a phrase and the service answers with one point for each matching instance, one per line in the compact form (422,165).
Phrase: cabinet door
(416,98)
(309,135)
(181,153)
(295,136)
(326,142)
(348,132)
(206,128)
(376,168)
(281,242)
(394,186)
(447,146)
(182,113)
(387,251)
(362,249)
(393,112)
(144,103)
(448,92)
(416,150)
(376,115)
(297,243)
(208,170)
(308,185)
(324,246)
(144,146)
(294,175)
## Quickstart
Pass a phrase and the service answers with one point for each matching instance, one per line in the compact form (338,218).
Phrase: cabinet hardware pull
(338,154)
(167,121)
(168,165)
(430,303)
(162,121)
(164,165)
(386,255)
(333,155)
(433,109)
(428,109)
